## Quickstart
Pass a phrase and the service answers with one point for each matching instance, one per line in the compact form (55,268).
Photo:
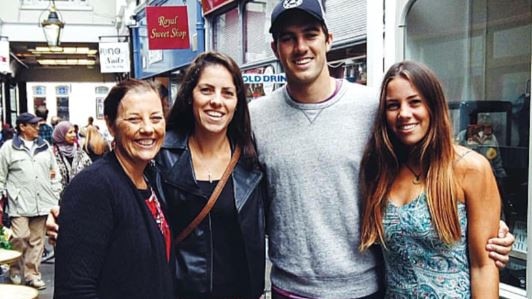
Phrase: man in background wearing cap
(310,136)
(31,181)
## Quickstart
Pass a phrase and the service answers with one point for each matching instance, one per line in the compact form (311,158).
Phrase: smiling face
(139,128)
(407,115)
(301,47)
(214,100)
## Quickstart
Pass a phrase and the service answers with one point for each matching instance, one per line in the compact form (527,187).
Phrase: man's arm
(499,248)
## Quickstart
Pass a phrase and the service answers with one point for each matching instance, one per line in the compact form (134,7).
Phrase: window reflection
(481,50)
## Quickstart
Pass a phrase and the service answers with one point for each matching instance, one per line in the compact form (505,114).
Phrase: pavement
(48,271)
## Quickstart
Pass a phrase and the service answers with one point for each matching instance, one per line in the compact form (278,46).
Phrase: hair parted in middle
(435,152)
(181,117)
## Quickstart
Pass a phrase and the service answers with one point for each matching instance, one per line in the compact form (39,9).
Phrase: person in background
(310,137)
(95,144)
(224,256)
(76,131)
(115,241)
(163,92)
(430,204)
(45,130)
(71,158)
(54,120)
(31,181)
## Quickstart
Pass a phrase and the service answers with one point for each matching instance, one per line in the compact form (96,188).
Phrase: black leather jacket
(194,254)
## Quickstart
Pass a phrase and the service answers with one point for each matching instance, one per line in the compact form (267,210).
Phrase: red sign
(167,27)
(212,5)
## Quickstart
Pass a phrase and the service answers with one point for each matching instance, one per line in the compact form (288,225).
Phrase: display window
(226,34)
(62,98)
(256,29)
(261,81)
(481,50)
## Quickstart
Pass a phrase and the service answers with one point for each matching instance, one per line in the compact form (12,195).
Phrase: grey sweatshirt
(311,154)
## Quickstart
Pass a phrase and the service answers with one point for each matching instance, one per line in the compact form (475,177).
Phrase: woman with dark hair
(431,204)
(223,256)
(115,241)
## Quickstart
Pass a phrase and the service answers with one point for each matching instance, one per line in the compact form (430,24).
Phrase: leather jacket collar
(181,173)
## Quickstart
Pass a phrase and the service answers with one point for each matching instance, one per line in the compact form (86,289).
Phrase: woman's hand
(52,228)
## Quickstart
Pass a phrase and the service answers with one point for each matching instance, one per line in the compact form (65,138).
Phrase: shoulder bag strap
(212,199)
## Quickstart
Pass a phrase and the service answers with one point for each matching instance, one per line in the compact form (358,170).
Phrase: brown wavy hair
(435,152)
(181,118)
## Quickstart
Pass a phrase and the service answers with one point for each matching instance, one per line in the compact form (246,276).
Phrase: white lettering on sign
(263,78)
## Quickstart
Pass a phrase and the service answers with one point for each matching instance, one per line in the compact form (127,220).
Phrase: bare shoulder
(468,161)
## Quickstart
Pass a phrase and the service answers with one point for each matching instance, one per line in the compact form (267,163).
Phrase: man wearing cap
(31,181)
(310,136)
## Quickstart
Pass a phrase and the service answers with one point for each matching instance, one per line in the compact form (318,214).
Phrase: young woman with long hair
(432,205)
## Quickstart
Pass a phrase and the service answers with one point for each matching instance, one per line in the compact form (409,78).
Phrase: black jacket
(110,245)
(194,254)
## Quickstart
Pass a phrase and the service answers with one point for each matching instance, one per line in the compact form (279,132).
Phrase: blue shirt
(418,263)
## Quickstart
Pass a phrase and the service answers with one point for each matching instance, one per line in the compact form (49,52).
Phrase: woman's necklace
(417,177)
(202,163)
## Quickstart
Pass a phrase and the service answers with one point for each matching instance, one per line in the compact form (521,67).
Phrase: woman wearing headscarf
(71,158)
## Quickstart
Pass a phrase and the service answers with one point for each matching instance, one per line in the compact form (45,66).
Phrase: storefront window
(62,95)
(262,81)
(100,92)
(39,97)
(257,26)
(482,52)
(227,34)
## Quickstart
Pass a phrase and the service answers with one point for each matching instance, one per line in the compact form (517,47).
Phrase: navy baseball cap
(27,118)
(312,7)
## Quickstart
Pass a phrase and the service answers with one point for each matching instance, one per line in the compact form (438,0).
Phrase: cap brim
(35,120)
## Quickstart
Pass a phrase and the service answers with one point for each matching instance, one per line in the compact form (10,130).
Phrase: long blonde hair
(384,154)
(95,142)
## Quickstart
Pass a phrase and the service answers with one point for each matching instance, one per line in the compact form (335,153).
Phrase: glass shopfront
(481,50)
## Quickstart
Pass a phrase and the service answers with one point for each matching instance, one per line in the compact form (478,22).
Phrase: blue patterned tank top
(418,264)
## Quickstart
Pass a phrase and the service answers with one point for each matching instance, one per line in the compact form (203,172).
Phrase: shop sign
(114,57)
(167,27)
(4,57)
(264,78)
(212,5)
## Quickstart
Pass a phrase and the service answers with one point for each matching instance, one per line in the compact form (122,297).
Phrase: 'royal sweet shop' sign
(167,27)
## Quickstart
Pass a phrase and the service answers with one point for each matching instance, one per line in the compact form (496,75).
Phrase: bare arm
(483,210)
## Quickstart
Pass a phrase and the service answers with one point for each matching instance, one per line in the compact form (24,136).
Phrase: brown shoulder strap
(212,200)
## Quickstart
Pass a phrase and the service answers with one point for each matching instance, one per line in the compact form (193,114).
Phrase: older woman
(223,256)
(114,241)
(71,159)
